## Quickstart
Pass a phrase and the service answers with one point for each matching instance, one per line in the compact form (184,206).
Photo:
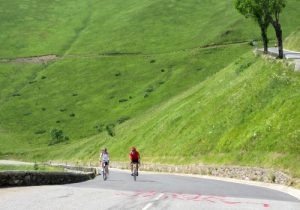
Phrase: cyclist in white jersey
(104,158)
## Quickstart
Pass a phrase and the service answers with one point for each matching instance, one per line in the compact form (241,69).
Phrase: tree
(275,8)
(57,136)
(264,12)
(257,10)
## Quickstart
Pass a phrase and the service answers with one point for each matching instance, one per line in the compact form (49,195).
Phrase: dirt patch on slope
(36,60)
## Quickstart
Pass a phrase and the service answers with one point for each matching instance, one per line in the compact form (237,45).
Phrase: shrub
(152,61)
(16,94)
(161,82)
(40,132)
(63,110)
(118,74)
(162,70)
(43,109)
(75,94)
(31,82)
(147,94)
(57,136)
(72,115)
(123,100)
(43,77)
(123,119)
(111,130)
(149,90)
(100,128)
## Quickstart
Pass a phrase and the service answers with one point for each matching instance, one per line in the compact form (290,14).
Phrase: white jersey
(104,157)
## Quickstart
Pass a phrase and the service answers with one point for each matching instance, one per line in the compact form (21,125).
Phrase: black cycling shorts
(105,163)
(134,161)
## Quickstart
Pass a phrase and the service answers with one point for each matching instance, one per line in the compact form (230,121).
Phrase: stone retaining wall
(30,178)
(244,173)
(74,167)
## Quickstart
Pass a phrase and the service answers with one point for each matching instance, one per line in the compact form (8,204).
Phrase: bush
(147,94)
(43,109)
(152,61)
(118,74)
(63,110)
(72,115)
(16,94)
(40,132)
(57,136)
(100,128)
(111,130)
(123,100)
(161,82)
(149,90)
(123,119)
(31,82)
(43,77)
(75,94)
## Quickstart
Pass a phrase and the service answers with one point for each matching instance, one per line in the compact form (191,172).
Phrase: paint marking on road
(156,199)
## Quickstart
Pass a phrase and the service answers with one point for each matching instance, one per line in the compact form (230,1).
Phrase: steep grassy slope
(246,114)
(99,92)
(145,66)
(38,27)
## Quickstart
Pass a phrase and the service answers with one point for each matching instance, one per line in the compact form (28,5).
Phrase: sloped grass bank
(246,114)
(87,96)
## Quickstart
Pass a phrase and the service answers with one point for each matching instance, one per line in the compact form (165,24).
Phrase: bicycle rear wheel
(134,172)
(104,174)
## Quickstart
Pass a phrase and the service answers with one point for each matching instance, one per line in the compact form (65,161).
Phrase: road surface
(150,191)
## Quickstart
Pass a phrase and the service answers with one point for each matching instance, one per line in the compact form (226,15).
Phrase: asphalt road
(150,191)
(288,55)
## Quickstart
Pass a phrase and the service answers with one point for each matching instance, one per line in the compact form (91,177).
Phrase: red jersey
(134,155)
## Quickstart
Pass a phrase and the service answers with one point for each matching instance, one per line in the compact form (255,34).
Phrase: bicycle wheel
(134,172)
(104,175)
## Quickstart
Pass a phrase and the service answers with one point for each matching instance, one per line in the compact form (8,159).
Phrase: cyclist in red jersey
(134,157)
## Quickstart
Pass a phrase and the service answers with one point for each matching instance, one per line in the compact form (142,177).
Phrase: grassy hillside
(292,42)
(172,77)
(247,114)
(37,27)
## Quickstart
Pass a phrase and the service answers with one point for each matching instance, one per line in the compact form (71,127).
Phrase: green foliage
(123,119)
(57,136)
(110,128)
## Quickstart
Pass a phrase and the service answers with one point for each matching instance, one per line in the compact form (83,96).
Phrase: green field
(176,79)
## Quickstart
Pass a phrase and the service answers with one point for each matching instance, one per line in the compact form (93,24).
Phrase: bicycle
(135,171)
(105,171)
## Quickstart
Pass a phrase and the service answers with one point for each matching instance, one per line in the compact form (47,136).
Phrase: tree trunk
(278,32)
(265,39)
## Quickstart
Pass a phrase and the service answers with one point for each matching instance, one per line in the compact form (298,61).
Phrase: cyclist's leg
(131,167)
(100,167)
(106,167)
